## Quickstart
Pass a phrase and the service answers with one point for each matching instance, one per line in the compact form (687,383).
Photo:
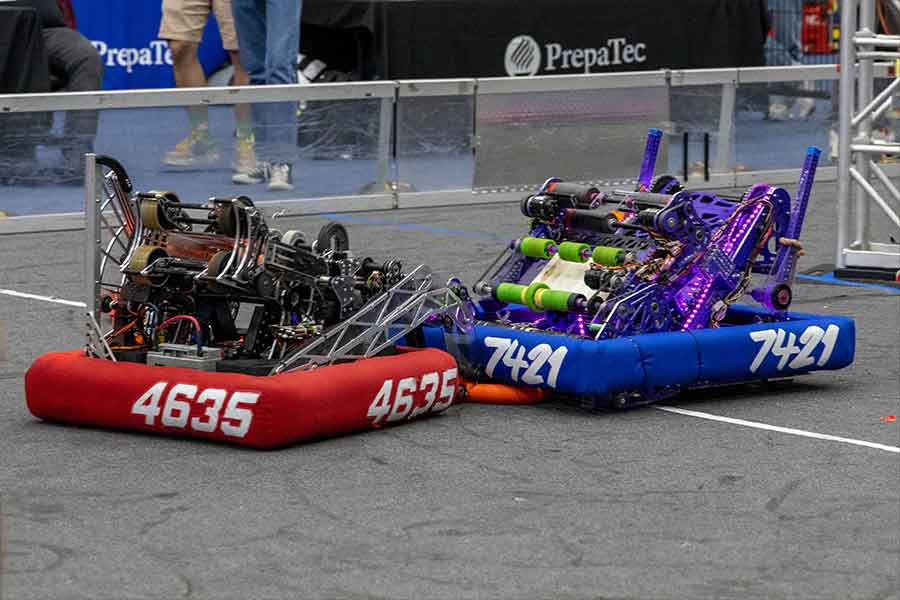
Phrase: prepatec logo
(523,56)
(156,54)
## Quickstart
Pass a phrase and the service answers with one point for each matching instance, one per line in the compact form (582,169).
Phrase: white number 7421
(524,362)
(783,345)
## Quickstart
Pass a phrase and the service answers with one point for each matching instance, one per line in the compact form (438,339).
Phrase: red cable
(194,321)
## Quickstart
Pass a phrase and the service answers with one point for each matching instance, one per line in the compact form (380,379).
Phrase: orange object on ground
(497,393)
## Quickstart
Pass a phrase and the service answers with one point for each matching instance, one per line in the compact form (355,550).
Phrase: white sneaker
(778,111)
(280,179)
(258,173)
(803,108)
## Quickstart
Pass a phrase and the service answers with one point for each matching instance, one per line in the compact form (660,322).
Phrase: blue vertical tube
(651,151)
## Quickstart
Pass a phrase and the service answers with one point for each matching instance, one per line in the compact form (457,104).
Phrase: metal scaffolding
(861,179)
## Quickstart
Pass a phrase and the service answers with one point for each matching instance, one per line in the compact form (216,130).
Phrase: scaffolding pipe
(848,59)
(865,90)
(861,49)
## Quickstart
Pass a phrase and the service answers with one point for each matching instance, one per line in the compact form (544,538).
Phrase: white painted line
(53,299)
(788,430)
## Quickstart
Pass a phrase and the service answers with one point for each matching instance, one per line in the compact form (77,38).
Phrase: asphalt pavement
(540,501)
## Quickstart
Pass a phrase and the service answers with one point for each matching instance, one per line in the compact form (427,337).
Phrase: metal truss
(383,321)
(859,176)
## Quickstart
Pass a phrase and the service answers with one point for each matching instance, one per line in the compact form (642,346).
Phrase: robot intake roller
(537,296)
(542,248)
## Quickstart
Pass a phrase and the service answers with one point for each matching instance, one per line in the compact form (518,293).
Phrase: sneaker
(244,160)
(803,108)
(280,178)
(197,149)
(778,111)
(258,172)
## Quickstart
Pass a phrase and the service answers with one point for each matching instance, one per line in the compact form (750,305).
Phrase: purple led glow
(738,231)
(699,302)
(579,321)
(688,291)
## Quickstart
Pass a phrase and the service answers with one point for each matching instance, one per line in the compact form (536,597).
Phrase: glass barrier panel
(776,122)
(267,151)
(596,135)
(701,130)
(434,143)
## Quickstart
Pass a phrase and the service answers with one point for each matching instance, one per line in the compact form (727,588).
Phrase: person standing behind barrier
(788,26)
(269,36)
(74,66)
(182,26)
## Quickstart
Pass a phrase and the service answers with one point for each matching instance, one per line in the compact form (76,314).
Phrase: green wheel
(533,247)
(608,256)
(574,252)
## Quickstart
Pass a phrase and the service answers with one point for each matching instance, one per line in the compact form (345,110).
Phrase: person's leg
(182,27)
(225,18)
(250,27)
(282,47)
(282,40)
(244,158)
(788,32)
(243,124)
(788,50)
(75,60)
(189,73)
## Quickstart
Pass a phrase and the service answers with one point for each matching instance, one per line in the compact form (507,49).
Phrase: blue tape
(830,278)
(413,226)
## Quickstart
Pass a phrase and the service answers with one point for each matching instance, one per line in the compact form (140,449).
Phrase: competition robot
(628,297)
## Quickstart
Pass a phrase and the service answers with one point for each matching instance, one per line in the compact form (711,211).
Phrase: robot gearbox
(203,321)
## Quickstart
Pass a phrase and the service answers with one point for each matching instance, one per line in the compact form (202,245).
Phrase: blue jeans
(269,38)
(787,45)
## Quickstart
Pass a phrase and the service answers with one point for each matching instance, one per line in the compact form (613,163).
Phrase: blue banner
(126,36)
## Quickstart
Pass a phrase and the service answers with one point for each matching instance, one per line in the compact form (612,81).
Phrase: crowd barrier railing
(388,190)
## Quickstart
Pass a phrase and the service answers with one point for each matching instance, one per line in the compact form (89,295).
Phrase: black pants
(75,66)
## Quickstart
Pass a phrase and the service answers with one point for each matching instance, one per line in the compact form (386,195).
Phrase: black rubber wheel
(782,295)
(264,284)
(333,236)
(214,268)
(226,222)
(665,184)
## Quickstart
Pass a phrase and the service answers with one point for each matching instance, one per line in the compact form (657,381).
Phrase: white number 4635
(396,404)
(783,345)
(234,421)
